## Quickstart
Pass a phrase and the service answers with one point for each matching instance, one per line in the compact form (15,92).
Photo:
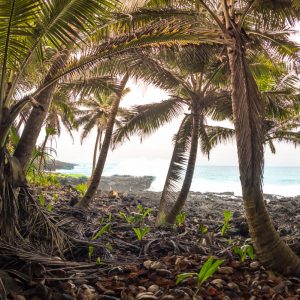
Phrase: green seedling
(42,201)
(244,251)
(108,246)
(49,207)
(142,213)
(55,197)
(103,220)
(206,271)
(104,229)
(128,218)
(81,188)
(180,218)
(226,224)
(90,251)
(203,229)
(98,261)
(141,232)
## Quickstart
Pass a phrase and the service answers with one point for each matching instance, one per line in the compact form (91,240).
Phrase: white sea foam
(278,180)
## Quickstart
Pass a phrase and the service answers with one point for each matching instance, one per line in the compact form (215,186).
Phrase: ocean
(283,181)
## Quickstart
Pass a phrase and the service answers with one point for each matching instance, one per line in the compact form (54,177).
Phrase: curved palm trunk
(37,116)
(96,176)
(179,148)
(171,217)
(248,118)
(43,151)
(96,147)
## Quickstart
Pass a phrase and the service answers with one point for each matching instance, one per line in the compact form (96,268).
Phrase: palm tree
(245,25)
(197,90)
(95,47)
(97,172)
(28,27)
(95,115)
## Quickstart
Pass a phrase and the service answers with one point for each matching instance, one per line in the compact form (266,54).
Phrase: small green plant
(81,188)
(203,229)
(42,201)
(55,197)
(103,220)
(99,261)
(49,207)
(104,229)
(142,213)
(226,223)
(180,218)
(206,271)
(141,232)
(244,251)
(127,218)
(90,251)
(108,246)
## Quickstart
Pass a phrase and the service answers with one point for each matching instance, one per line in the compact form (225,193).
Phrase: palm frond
(143,120)
(216,135)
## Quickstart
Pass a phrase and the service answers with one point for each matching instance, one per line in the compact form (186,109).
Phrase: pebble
(254,265)
(164,273)
(153,288)
(145,296)
(153,265)
(279,288)
(19,297)
(265,289)
(218,282)
(187,290)
(233,286)
(225,270)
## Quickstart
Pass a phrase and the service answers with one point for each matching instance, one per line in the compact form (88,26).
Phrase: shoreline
(135,184)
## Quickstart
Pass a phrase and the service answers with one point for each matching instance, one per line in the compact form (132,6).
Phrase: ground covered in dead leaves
(112,263)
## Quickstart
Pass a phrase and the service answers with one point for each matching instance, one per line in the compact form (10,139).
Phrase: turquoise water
(277,180)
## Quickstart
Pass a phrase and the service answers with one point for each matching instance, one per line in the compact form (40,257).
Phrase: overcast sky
(159,146)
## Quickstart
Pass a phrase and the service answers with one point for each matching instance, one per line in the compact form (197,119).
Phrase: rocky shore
(120,183)
(53,165)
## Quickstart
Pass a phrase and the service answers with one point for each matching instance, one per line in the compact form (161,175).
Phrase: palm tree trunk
(248,119)
(37,116)
(167,193)
(96,148)
(43,151)
(171,217)
(96,176)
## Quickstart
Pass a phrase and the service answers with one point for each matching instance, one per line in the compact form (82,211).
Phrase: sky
(159,146)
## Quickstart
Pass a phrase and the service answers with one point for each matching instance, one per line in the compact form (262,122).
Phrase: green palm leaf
(143,120)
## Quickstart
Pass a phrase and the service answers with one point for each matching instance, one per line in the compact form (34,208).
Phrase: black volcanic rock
(58,165)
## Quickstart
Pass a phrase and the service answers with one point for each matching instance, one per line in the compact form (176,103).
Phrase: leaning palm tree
(27,28)
(197,91)
(97,172)
(107,34)
(94,113)
(244,26)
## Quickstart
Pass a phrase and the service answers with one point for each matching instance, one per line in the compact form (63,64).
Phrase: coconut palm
(97,172)
(244,26)
(197,91)
(94,113)
(27,28)
(96,47)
